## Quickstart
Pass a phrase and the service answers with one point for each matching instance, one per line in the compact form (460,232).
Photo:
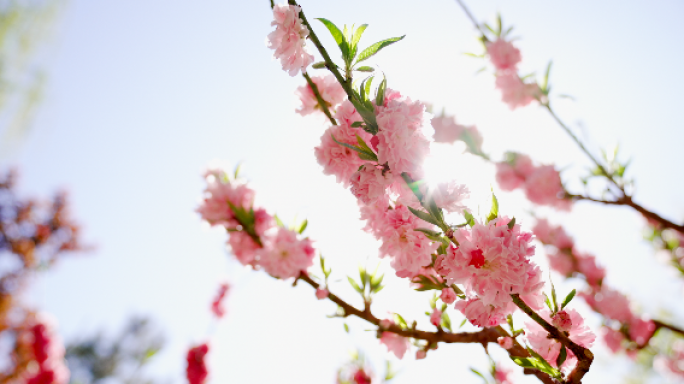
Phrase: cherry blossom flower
(370,182)
(641,330)
(544,187)
(289,39)
(512,174)
(502,375)
(330,90)
(514,92)
(503,55)
(244,248)
(436,317)
(196,371)
(673,363)
(446,129)
(613,339)
(552,235)
(610,303)
(485,315)
(48,354)
(395,344)
(548,348)
(215,208)
(448,295)
(217,307)
(505,342)
(450,196)
(322,293)
(562,321)
(401,141)
(284,255)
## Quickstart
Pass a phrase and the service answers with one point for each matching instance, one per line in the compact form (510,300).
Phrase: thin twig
(321,102)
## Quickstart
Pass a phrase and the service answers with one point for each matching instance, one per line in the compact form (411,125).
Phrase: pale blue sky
(142,94)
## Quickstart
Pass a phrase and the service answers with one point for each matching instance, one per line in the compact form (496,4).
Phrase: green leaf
(400,320)
(237,170)
(436,212)
(346,327)
(553,296)
(494,212)
(365,68)
(414,185)
(545,84)
(364,277)
(278,221)
(511,223)
(446,321)
(473,55)
(475,371)
(498,24)
(463,323)
(303,226)
(338,36)
(535,363)
(363,145)
(432,235)
(380,98)
(354,285)
(357,124)
(470,219)
(354,41)
(568,298)
(562,356)
(423,216)
(365,155)
(319,65)
(547,301)
(375,48)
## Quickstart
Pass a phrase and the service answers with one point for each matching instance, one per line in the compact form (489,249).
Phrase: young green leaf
(365,68)
(354,41)
(354,285)
(278,221)
(511,223)
(475,371)
(380,98)
(366,155)
(303,226)
(362,144)
(338,36)
(494,212)
(562,356)
(545,84)
(553,297)
(568,298)
(357,124)
(319,65)
(423,216)
(237,170)
(346,328)
(375,48)
(470,219)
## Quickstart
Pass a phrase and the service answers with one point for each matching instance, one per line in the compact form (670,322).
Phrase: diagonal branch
(321,102)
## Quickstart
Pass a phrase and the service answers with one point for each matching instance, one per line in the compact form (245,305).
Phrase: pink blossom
(421,354)
(562,321)
(215,208)
(641,330)
(613,339)
(610,303)
(502,375)
(493,262)
(217,307)
(448,295)
(552,235)
(586,265)
(514,92)
(503,55)
(330,90)
(289,39)
(336,159)
(561,262)
(284,255)
(450,196)
(395,344)
(512,174)
(263,221)
(401,141)
(322,293)
(548,348)
(436,317)
(505,342)
(369,183)
(196,370)
(243,247)
(483,315)
(544,187)
(446,129)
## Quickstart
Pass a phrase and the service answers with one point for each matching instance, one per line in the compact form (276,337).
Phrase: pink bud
(562,321)
(505,342)
(436,318)
(448,295)
(322,293)
(420,354)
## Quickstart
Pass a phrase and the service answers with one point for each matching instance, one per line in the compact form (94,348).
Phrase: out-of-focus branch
(321,102)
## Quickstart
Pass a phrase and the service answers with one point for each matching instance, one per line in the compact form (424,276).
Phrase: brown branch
(584,356)
(484,336)
(321,102)
(660,324)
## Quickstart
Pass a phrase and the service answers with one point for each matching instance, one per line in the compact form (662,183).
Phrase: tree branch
(321,102)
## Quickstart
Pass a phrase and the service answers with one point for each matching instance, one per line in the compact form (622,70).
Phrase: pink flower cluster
(395,344)
(289,39)
(613,305)
(514,91)
(336,159)
(448,131)
(569,321)
(48,353)
(673,363)
(542,183)
(492,261)
(217,307)
(330,90)
(196,370)
(402,144)
(254,238)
